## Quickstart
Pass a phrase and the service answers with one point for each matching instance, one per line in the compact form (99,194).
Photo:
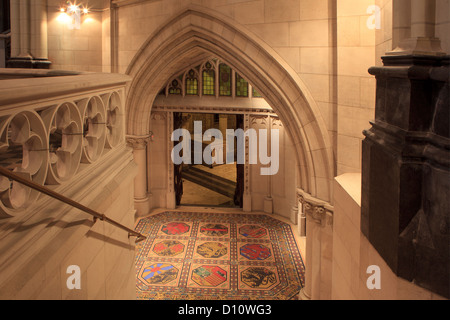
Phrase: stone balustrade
(52,125)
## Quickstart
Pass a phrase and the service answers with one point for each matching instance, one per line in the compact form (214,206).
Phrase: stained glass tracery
(209,80)
(255,94)
(175,87)
(213,77)
(191,83)
(224,80)
(241,86)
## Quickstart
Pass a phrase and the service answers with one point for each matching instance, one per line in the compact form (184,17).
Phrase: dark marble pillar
(406,170)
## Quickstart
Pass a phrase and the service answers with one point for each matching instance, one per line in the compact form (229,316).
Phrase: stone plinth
(406,170)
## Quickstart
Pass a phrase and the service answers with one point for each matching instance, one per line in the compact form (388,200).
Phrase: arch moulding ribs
(196,28)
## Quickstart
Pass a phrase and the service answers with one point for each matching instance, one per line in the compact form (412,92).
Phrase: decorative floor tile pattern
(217,256)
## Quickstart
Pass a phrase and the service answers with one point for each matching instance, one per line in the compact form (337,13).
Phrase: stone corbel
(138,143)
(322,216)
(320,212)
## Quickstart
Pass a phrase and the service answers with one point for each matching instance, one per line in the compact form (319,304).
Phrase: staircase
(211,181)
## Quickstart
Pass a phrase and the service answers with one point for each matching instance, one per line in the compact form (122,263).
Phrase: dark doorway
(212,185)
(5,21)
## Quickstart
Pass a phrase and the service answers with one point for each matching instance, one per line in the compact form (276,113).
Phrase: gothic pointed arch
(196,33)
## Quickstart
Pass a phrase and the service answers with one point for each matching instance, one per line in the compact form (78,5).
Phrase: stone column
(423,14)
(315,255)
(301,221)
(401,24)
(39,43)
(29,35)
(294,214)
(139,145)
(247,198)
(268,200)
(15,28)
(20,37)
(421,40)
(305,293)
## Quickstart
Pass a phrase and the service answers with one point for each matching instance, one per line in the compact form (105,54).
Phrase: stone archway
(196,33)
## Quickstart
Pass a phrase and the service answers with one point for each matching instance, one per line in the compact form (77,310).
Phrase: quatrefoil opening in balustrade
(65,141)
(114,121)
(48,144)
(94,129)
(23,150)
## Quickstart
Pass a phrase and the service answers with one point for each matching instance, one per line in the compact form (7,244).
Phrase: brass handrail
(57,196)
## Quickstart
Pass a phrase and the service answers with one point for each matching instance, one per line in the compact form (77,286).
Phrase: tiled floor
(218,253)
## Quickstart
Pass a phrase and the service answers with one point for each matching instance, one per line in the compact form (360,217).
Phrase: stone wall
(299,31)
(65,132)
(43,245)
(355,87)
(77,50)
(353,254)
(327,44)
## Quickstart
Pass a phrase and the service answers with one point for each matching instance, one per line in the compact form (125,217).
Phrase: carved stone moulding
(213,109)
(321,212)
(137,142)
(94,128)
(23,150)
(114,119)
(47,145)
(65,134)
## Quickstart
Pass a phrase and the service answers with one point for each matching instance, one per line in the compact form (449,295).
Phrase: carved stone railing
(51,125)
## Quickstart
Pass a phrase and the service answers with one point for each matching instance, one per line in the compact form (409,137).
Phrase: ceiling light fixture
(71,14)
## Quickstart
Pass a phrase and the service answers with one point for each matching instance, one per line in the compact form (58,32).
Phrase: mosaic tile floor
(217,256)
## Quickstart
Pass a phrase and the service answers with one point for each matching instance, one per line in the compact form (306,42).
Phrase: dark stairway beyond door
(210,180)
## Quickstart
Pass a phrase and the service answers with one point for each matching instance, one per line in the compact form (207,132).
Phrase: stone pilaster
(141,199)
(305,292)
(319,221)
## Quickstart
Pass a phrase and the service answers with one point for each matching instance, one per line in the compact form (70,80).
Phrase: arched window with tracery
(241,86)
(175,87)
(209,79)
(191,83)
(255,93)
(224,80)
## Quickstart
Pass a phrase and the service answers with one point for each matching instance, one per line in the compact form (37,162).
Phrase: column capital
(138,142)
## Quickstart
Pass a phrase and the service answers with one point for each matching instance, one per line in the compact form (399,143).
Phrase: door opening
(203,184)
